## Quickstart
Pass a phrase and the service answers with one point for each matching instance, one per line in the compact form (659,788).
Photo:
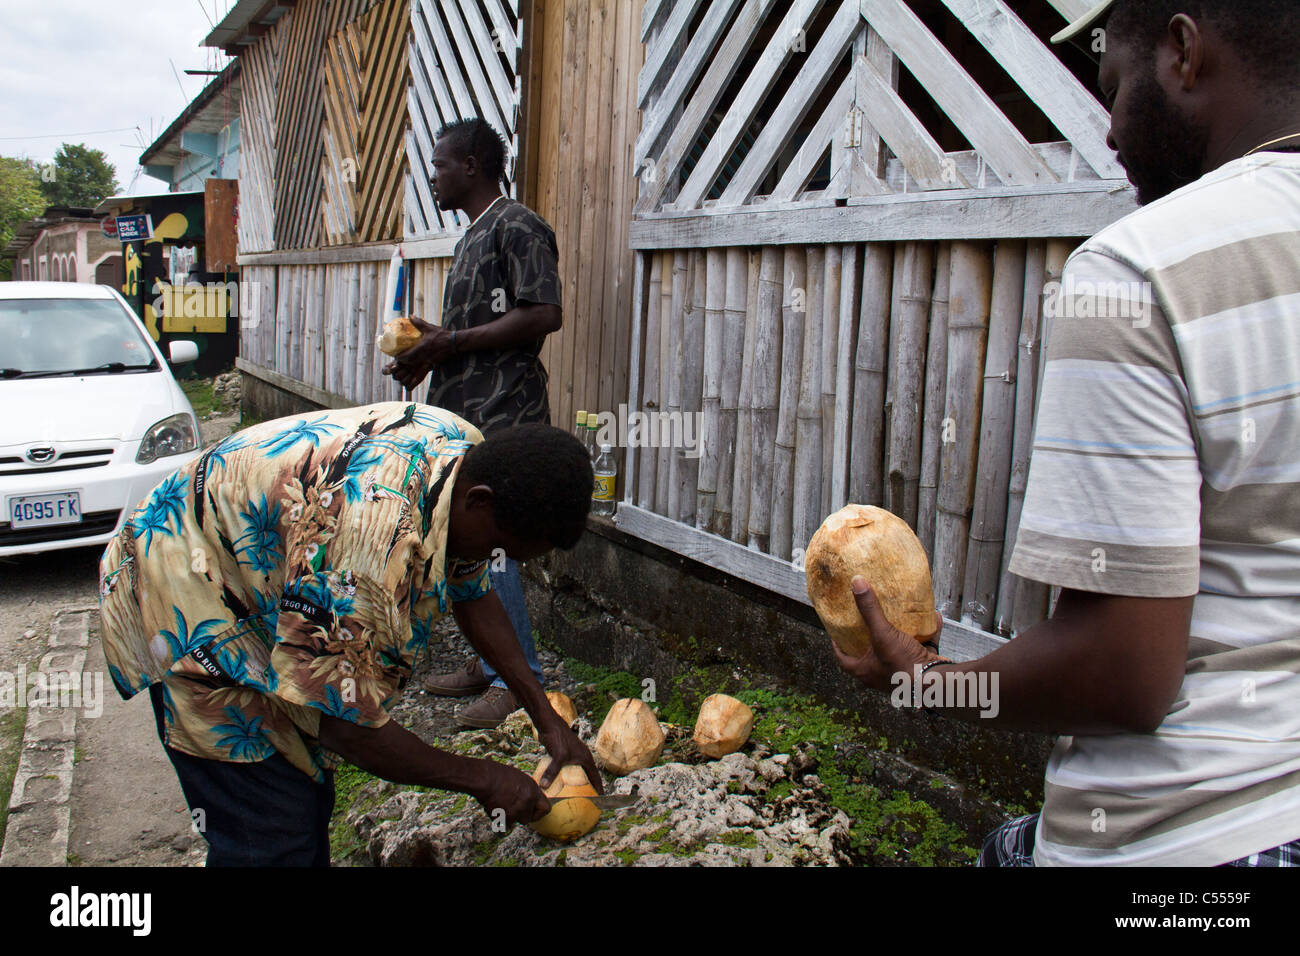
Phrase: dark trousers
(254,814)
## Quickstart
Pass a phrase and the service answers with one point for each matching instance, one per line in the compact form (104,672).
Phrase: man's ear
(471,165)
(479,496)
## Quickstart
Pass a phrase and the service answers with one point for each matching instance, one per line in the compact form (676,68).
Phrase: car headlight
(171,436)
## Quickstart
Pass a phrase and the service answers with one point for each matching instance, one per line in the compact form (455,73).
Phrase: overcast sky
(74,67)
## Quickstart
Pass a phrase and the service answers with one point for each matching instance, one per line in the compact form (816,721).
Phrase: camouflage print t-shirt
(295,569)
(508,257)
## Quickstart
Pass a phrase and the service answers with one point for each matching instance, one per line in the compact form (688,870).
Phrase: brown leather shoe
(466,682)
(496,704)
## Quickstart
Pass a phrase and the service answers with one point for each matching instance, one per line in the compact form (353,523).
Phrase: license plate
(38,511)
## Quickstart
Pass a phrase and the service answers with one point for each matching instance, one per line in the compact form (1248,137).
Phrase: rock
(226,389)
(711,814)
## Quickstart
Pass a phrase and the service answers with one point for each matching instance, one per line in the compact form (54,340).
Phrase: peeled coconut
(879,545)
(568,819)
(398,336)
(561,704)
(630,738)
(723,725)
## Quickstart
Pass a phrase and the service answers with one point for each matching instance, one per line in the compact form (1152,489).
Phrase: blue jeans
(510,589)
(267,813)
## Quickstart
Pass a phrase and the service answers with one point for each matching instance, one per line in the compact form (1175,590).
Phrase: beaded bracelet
(920,682)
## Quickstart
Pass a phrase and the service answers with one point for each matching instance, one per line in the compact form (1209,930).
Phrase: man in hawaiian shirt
(273,594)
(501,301)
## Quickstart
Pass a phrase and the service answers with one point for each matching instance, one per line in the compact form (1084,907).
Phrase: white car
(91,418)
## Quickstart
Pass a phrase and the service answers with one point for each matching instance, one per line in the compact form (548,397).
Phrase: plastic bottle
(580,429)
(602,496)
(593,448)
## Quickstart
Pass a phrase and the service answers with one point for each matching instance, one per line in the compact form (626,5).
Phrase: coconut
(398,336)
(879,546)
(630,738)
(568,819)
(723,725)
(561,704)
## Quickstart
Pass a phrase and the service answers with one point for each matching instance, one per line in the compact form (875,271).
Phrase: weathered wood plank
(846,349)
(686,127)
(1079,209)
(936,380)
(755,88)
(658,52)
(832,42)
(744,407)
(809,470)
(867,442)
(961,98)
(908,322)
(657,113)
(969,303)
(1023,433)
(765,394)
(997,418)
(957,641)
(1047,81)
(916,149)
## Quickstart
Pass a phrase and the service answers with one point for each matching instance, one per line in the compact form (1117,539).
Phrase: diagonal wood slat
(994,136)
(764,73)
(693,60)
(383,121)
(723,67)
(673,29)
(260,73)
(1073,110)
(812,76)
(341,77)
(903,132)
(456,71)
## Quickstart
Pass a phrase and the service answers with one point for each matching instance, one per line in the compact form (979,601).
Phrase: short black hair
(541,481)
(1264,33)
(476,137)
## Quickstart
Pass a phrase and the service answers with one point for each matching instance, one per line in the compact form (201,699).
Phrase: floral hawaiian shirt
(294,569)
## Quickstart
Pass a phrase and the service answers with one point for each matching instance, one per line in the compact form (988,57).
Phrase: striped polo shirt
(1166,463)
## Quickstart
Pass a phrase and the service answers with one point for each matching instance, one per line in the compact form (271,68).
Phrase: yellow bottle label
(604,490)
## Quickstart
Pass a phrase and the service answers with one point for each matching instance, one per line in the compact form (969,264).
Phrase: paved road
(127,807)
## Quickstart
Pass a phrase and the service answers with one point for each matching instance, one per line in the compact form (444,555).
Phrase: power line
(93,132)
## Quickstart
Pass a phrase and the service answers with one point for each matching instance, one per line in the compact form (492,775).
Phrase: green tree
(81,177)
(20,200)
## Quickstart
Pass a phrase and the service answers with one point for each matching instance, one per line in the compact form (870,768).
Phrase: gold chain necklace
(1272,142)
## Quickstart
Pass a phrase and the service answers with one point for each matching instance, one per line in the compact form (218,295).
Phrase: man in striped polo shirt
(1164,490)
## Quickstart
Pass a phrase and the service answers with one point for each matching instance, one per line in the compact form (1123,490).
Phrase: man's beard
(1167,149)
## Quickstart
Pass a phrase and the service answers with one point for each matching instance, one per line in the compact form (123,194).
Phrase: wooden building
(824,230)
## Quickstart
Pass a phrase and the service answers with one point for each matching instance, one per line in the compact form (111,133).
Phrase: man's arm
(487,627)
(520,326)
(1101,665)
(394,753)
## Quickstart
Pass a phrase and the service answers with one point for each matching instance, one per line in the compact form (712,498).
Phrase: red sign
(108,226)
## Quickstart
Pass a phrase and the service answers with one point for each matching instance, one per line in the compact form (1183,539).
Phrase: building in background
(65,244)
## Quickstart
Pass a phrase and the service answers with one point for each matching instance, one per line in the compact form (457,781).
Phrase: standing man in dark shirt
(501,301)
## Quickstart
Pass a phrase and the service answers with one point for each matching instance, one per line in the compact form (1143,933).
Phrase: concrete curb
(40,802)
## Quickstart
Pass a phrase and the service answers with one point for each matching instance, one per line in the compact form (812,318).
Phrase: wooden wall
(583,58)
(902,375)
(317,323)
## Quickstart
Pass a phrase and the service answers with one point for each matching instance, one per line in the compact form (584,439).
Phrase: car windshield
(44,336)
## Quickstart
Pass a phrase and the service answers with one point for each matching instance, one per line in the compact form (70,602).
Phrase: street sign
(134,228)
(108,226)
